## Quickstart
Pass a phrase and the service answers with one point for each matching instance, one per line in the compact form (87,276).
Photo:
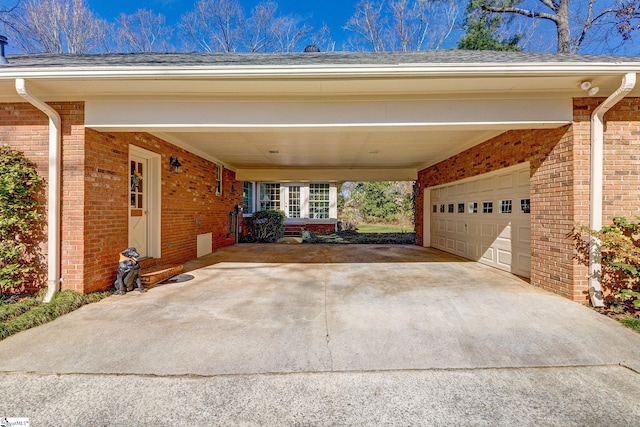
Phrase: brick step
(293,230)
(153,275)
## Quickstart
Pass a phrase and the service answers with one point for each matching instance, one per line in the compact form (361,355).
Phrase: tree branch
(520,11)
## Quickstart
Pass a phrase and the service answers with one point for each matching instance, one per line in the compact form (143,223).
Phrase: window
(450,208)
(487,207)
(269,195)
(506,206)
(460,207)
(247,197)
(473,207)
(525,206)
(319,201)
(218,180)
(441,208)
(435,208)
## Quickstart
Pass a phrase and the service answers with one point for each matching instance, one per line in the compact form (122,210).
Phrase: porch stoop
(293,230)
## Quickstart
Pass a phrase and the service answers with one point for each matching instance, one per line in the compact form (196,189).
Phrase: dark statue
(128,273)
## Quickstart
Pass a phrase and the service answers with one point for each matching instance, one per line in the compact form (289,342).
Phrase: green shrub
(21,227)
(620,251)
(265,226)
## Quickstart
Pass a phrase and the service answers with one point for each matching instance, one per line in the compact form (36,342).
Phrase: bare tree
(368,23)
(221,26)
(323,39)
(402,25)
(288,33)
(213,25)
(576,22)
(143,31)
(7,8)
(258,34)
(60,26)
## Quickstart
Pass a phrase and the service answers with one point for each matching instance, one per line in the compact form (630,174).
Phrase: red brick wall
(95,193)
(560,169)
(321,228)
(189,203)
(25,128)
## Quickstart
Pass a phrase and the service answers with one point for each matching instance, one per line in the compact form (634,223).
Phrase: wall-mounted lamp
(233,189)
(175,164)
(591,90)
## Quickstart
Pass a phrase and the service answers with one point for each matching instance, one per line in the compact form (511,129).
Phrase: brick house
(500,145)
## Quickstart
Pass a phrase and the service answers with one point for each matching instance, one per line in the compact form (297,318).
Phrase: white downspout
(53,199)
(597,170)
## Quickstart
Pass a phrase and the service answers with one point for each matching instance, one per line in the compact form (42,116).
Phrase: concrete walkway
(345,335)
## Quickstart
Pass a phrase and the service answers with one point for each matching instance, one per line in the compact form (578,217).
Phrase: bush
(620,251)
(265,226)
(21,227)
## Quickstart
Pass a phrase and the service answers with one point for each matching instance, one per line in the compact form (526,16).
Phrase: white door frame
(153,182)
(426,218)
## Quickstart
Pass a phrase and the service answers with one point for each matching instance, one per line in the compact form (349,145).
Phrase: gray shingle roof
(302,59)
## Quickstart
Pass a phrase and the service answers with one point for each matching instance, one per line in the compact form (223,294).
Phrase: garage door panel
(504,258)
(487,230)
(487,184)
(499,239)
(488,254)
(451,244)
(505,182)
(524,179)
(523,234)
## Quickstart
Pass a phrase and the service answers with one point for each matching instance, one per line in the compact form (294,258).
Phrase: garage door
(486,219)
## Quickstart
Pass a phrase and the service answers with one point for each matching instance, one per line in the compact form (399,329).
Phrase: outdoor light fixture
(588,86)
(233,189)
(175,164)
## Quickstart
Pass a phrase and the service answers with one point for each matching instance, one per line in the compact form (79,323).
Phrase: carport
(450,120)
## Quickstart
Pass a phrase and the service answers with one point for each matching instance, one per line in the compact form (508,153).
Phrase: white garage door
(486,219)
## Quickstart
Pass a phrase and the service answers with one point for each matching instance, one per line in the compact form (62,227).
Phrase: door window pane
(294,201)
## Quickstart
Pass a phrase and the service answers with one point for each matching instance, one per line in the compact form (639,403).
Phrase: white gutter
(219,71)
(53,199)
(597,169)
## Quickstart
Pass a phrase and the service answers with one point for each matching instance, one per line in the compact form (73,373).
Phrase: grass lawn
(375,228)
(26,312)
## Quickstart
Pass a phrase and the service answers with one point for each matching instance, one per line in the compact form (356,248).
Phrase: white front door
(138,204)
(486,219)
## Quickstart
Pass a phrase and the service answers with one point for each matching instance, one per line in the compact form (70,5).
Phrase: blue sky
(333,12)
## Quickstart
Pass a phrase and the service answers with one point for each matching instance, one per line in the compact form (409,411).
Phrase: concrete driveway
(324,335)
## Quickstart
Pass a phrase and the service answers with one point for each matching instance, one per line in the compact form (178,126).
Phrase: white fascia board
(175,115)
